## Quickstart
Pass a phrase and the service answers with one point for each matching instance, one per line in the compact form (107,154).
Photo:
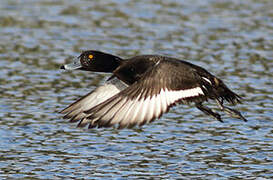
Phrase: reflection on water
(232,39)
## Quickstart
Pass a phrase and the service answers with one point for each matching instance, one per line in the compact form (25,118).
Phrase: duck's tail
(224,93)
(216,89)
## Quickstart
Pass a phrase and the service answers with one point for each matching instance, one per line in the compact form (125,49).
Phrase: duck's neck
(108,63)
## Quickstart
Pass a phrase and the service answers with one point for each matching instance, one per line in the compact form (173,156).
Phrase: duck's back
(131,70)
(134,68)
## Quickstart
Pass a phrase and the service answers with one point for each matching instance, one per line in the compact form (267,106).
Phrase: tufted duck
(144,87)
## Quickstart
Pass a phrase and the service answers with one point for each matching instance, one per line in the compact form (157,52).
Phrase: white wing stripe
(144,110)
(134,111)
(176,95)
(164,102)
(131,109)
(150,112)
(157,106)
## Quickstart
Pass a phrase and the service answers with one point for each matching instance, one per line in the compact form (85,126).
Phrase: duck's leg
(232,112)
(208,111)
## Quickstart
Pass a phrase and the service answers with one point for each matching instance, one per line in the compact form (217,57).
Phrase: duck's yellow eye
(90,56)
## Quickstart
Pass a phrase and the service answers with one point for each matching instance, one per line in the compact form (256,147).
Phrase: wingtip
(62,111)
(244,119)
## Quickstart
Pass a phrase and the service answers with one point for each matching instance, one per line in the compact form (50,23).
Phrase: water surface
(232,39)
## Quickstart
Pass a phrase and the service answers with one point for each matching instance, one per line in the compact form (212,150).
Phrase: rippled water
(232,39)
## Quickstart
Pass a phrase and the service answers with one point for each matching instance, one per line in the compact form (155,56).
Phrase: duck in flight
(144,87)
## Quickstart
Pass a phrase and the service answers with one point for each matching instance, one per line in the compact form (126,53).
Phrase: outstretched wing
(75,111)
(149,97)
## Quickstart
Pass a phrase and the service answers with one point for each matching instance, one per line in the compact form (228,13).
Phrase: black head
(94,61)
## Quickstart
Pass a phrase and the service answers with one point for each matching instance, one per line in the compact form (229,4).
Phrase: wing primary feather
(132,107)
(113,112)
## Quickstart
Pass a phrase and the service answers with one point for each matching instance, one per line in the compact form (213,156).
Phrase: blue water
(231,39)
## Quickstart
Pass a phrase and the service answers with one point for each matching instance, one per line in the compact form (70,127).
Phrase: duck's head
(94,61)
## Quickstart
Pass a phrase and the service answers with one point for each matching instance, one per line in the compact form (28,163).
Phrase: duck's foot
(232,112)
(208,111)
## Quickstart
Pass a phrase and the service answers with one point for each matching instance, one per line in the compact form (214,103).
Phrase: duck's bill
(76,64)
